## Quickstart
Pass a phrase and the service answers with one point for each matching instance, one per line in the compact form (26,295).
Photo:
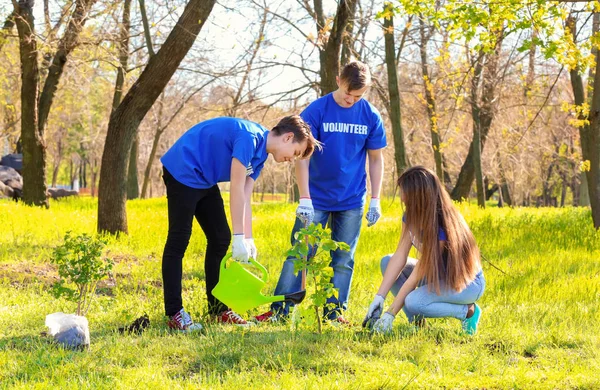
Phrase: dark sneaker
(231,317)
(183,322)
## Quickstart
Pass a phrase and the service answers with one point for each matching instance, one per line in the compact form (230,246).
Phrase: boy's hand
(374,312)
(374,212)
(253,252)
(305,211)
(239,249)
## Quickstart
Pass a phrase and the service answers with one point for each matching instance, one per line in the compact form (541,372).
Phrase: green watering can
(239,288)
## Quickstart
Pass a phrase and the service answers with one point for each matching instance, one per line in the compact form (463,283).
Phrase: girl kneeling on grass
(447,279)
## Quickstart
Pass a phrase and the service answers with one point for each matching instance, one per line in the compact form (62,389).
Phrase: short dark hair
(357,75)
(301,130)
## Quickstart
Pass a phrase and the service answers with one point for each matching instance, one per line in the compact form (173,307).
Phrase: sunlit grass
(539,327)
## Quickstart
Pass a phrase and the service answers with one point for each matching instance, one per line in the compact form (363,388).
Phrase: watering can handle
(254,262)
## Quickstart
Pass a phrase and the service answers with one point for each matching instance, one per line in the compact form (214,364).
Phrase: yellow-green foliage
(539,326)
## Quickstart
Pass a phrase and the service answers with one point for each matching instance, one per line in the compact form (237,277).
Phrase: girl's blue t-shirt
(337,175)
(441,233)
(201,158)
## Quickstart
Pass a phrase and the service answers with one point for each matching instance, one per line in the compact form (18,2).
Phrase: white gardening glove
(251,248)
(305,211)
(384,324)
(374,212)
(374,312)
(239,249)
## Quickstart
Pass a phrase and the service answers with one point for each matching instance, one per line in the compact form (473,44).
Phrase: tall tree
(331,41)
(425,33)
(124,122)
(35,107)
(484,103)
(8,25)
(34,177)
(394,92)
(589,128)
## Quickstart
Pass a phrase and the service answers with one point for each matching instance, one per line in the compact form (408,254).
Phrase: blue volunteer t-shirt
(201,158)
(337,175)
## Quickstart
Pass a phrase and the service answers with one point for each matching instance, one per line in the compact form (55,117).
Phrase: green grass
(539,327)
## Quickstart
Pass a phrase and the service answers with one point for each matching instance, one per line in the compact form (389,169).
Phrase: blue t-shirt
(201,158)
(337,175)
(441,234)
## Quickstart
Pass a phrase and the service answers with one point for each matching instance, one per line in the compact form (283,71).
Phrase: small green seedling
(316,240)
(80,264)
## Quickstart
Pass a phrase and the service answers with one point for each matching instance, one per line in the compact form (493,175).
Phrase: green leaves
(312,251)
(80,265)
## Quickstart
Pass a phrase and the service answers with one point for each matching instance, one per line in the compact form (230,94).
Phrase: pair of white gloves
(380,323)
(306,212)
(243,248)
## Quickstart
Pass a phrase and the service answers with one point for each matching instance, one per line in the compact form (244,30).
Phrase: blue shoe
(469,325)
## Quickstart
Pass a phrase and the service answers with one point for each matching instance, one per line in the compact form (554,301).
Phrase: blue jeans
(422,303)
(345,227)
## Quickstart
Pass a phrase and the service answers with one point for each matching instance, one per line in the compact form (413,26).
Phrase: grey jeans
(428,304)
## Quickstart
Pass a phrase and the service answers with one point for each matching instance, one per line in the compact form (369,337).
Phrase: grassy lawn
(539,326)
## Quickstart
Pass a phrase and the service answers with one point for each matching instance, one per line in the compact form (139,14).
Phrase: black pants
(184,204)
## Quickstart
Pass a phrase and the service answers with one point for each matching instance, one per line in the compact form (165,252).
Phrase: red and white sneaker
(183,322)
(266,317)
(231,317)
(340,321)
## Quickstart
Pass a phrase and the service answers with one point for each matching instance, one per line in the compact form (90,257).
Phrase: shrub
(80,264)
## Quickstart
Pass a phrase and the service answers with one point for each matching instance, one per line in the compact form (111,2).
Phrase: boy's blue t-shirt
(201,158)
(337,174)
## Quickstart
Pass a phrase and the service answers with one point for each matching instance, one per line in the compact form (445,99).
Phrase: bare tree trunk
(329,53)
(476,143)
(431,104)
(94,176)
(155,141)
(590,142)
(394,93)
(66,45)
(589,134)
(531,65)
(584,194)
(237,100)
(348,38)
(8,25)
(133,187)
(123,54)
(563,191)
(124,122)
(147,35)
(547,189)
(57,161)
(83,173)
(34,149)
(486,112)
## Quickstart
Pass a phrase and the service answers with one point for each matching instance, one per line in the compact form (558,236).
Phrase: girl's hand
(384,324)
(374,312)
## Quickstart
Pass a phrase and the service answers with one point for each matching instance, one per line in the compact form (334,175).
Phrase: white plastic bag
(69,330)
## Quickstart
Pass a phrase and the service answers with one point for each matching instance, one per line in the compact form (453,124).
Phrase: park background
(497,97)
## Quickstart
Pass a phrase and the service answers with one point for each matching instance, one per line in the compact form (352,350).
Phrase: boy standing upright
(332,183)
(219,150)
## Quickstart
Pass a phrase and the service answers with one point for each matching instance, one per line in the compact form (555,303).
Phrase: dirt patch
(29,273)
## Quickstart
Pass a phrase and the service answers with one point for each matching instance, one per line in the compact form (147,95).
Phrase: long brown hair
(429,207)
